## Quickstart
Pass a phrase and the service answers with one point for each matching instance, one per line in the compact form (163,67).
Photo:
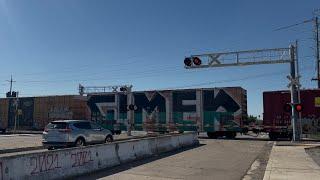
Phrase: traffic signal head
(131,107)
(298,107)
(187,62)
(196,61)
(14,94)
(287,107)
(123,89)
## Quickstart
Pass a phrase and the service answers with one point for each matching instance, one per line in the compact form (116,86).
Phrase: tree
(251,119)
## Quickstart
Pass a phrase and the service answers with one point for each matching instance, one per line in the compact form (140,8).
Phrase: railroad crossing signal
(123,89)
(12,94)
(297,107)
(104,89)
(189,61)
(132,107)
(256,57)
(294,81)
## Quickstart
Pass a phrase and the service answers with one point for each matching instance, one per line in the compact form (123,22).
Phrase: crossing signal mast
(127,89)
(257,57)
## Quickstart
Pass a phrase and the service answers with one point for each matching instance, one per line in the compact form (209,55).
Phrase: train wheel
(273,136)
(212,135)
(231,135)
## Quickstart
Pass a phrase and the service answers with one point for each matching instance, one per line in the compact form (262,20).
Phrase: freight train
(277,119)
(217,111)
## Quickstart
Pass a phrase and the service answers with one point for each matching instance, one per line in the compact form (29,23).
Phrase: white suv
(64,133)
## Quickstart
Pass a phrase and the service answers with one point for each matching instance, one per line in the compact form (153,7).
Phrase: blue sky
(51,46)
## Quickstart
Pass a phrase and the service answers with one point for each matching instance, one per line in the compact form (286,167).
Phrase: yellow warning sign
(317,101)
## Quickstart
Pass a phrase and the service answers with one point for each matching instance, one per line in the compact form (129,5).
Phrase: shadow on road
(239,138)
(123,167)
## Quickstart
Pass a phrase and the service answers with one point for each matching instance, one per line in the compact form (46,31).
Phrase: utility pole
(11,81)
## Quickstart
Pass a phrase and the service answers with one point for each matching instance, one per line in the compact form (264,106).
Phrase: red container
(276,119)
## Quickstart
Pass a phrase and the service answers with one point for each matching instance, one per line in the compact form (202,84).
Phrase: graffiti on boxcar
(221,100)
(44,163)
(150,104)
(99,106)
(25,108)
(153,105)
(60,112)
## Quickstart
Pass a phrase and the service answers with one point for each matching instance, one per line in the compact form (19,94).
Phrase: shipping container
(217,111)
(277,121)
(27,113)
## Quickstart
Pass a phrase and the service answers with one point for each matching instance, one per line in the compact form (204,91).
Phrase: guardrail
(70,162)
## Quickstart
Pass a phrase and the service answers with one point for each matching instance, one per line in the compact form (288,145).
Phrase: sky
(49,47)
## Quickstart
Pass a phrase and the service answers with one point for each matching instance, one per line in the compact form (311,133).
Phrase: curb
(4,151)
(296,144)
(314,147)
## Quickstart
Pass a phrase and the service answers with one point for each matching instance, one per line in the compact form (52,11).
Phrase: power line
(314,20)
(293,25)
(133,75)
(85,67)
(232,80)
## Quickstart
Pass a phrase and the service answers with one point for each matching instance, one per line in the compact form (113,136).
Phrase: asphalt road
(213,159)
(13,141)
(22,142)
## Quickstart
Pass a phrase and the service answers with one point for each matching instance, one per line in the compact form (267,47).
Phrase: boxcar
(277,121)
(34,113)
(217,111)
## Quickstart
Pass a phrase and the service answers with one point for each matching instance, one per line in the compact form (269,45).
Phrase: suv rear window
(57,125)
(82,125)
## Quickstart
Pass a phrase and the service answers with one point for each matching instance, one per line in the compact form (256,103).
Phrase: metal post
(317,50)
(16,113)
(130,114)
(298,75)
(294,94)
(11,84)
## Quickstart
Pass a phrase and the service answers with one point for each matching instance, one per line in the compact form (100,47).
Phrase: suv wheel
(108,139)
(80,142)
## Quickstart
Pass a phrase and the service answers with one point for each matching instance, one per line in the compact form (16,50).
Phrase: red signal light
(187,62)
(298,107)
(196,61)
